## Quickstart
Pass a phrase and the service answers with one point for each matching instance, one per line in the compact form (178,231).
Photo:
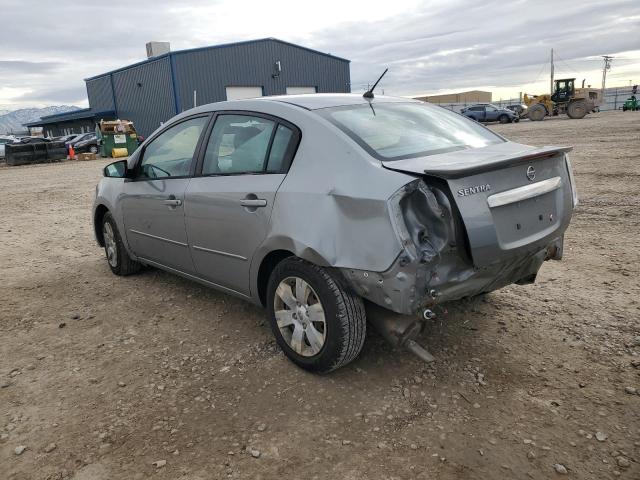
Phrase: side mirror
(116,169)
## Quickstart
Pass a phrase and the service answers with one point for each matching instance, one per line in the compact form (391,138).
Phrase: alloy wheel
(110,244)
(300,316)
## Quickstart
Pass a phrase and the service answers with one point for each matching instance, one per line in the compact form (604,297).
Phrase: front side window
(238,144)
(171,153)
(393,131)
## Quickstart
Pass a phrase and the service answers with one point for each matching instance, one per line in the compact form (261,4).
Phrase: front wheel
(117,256)
(503,119)
(93,149)
(577,109)
(317,321)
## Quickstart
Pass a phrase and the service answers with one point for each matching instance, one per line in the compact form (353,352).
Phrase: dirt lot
(102,376)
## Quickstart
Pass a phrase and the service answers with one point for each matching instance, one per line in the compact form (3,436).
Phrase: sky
(47,49)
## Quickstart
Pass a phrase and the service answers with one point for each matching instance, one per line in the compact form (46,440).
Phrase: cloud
(21,67)
(74,95)
(461,45)
(428,45)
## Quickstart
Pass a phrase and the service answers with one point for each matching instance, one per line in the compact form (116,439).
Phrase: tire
(516,119)
(322,305)
(117,257)
(577,109)
(537,112)
(93,149)
(503,118)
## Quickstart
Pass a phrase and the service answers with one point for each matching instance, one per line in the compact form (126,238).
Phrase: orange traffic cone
(72,153)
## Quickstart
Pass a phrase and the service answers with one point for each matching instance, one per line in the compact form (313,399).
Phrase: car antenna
(369,93)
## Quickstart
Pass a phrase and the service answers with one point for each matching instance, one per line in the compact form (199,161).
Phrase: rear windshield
(394,131)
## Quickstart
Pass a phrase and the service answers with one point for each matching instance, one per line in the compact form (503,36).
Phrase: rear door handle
(253,202)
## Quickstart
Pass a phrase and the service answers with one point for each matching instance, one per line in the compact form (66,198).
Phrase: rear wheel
(117,256)
(503,118)
(319,323)
(93,149)
(537,112)
(577,109)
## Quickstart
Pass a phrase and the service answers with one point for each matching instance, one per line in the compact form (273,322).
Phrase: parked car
(78,138)
(310,205)
(65,138)
(3,141)
(490,113)
(32,140)
(88,143)
(518,108)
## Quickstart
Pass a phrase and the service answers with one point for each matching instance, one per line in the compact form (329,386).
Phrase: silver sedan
(317,205)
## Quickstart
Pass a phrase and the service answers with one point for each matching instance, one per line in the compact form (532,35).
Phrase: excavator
(566,98)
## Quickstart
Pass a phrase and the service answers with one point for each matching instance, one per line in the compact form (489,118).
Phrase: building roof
(212,47)
(68,116)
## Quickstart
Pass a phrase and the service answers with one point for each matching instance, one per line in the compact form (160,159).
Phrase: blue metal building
(154,90)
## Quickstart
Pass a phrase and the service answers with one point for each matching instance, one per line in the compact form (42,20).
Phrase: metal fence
(613,99)
(457,107)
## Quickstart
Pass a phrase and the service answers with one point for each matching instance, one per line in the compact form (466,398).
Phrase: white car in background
(3,140)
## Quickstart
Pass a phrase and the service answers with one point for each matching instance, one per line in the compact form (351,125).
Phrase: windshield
(394,131)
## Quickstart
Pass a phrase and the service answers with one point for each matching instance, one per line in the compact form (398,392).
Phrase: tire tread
(126,265)
(350,307)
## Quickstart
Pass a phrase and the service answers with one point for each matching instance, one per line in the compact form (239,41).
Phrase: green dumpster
(115,136)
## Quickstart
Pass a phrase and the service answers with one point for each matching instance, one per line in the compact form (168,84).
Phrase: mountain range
(13,121)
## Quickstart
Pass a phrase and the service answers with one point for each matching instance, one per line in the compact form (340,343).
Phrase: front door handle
(253,202)
(172,201)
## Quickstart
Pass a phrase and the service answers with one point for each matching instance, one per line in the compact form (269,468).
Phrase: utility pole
(551,85)
(606,66)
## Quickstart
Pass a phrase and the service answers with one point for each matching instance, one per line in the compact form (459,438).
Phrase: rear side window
(238,144)
(394,131)
(279,150)
(171,153)
(244,144)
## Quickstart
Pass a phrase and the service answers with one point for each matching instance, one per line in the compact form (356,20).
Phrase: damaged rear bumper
(412,288)
(437,264)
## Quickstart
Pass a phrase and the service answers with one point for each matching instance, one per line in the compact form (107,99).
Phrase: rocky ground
(153,376)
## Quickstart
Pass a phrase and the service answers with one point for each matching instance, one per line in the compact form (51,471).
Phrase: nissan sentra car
(313,205)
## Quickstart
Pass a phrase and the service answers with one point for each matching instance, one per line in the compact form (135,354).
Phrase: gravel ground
(153,376)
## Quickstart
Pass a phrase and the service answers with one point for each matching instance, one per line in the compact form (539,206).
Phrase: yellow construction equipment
(566,98)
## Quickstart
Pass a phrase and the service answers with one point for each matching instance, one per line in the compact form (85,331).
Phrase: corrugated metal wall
(144,94)
(100,94)
(210,71)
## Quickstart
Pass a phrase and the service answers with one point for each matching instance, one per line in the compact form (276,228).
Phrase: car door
(228,203)
(153,201)
(489,113)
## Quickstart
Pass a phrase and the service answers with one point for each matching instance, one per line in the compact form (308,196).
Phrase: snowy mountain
(14,121)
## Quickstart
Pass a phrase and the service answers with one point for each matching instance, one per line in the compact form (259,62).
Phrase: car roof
(315,101)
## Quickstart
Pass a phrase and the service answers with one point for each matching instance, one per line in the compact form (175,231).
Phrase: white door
(300,90)
(238,93)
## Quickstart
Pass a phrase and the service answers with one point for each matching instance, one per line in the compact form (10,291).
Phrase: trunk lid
(513,199)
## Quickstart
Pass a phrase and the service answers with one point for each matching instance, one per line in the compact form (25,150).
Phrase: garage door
(300,90)
(238,93)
